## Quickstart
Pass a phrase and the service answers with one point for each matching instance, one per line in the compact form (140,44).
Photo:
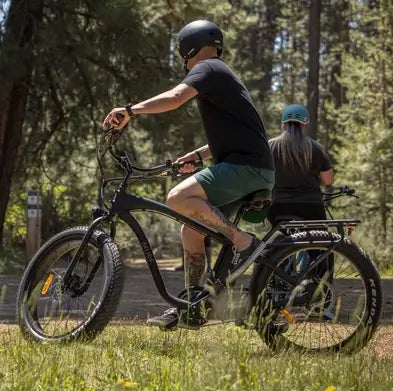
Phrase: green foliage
(12,260)
(364,125)
(92,56)
(15,221)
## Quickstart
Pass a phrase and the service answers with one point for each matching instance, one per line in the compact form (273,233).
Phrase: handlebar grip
(347,190)
(119,117)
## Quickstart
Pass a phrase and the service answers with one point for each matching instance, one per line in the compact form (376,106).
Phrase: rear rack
(339,223)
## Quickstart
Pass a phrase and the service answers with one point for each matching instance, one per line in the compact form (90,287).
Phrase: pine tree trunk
(267,20)
(16,54)
(337,90)
(313,66)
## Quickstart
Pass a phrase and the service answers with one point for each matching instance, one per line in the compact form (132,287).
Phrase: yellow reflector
(46,286)
(290,317)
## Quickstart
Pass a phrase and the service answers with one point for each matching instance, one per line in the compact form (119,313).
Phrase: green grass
(217,358)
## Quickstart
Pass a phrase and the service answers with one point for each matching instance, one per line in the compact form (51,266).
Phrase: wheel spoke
(331,306)
(59,312)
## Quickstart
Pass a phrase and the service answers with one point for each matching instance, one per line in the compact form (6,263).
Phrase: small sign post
(33,236)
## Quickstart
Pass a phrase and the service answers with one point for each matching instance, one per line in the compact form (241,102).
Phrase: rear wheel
(49,311)
(334,307)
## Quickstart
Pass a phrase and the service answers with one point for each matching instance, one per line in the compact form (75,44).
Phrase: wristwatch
(199,155)
(128,108)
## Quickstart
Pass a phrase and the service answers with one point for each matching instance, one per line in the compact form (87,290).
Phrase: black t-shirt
(234,130)
(294,186)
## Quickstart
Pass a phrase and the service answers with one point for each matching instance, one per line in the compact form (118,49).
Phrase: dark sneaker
(169,320)
(240,257)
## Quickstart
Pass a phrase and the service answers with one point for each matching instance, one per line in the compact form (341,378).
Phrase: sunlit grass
(216,358)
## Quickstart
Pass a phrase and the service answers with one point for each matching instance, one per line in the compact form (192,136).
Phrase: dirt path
(140,297)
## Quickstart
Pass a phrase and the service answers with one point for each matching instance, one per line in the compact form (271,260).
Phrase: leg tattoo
(194,268)
(218,221)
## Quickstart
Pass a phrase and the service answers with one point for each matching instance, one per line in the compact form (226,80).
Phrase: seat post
(208,252)
(240,214)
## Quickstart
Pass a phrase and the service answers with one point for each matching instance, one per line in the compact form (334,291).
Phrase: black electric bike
(71,288)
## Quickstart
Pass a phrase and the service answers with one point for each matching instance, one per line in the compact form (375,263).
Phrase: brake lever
(348,191)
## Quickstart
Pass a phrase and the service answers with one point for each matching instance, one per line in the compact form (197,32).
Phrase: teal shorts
(225,184)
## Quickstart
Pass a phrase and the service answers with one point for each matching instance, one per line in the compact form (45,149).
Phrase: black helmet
(193,36)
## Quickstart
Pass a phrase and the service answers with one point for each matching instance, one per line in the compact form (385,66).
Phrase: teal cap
(296,113)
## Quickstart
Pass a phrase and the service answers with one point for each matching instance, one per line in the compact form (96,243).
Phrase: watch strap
(128,108)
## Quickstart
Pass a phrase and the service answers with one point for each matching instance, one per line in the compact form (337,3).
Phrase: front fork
(68,280)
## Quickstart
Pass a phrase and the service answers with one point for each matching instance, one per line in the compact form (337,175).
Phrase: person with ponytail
(301,167)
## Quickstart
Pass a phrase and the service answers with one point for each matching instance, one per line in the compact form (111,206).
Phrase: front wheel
(333,307)
(50,311)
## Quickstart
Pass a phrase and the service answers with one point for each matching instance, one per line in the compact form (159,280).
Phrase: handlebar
(169,168)
(109,139)
(341,191)
(107,143)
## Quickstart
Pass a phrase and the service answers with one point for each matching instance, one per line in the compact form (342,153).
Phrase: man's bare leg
(194,256)
(189,198)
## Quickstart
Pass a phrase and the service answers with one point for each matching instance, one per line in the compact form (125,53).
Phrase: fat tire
(348,248)
(102,314)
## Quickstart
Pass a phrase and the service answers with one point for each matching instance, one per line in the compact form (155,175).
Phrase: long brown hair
(293,148)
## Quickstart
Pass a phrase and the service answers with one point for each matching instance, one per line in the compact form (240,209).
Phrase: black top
(293,186)
(234,131)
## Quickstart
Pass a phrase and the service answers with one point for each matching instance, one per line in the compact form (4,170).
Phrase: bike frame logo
(147,251)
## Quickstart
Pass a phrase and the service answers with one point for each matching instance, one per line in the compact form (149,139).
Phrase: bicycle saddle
(256,202)
(258,197)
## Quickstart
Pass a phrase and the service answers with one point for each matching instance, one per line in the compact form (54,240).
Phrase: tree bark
(313,66)
(16,53)
(268,25)
(337,90)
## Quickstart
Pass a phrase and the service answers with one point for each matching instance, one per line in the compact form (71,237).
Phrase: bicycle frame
(123,204)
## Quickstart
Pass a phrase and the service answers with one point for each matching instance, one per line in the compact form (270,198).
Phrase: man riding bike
(237,143)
